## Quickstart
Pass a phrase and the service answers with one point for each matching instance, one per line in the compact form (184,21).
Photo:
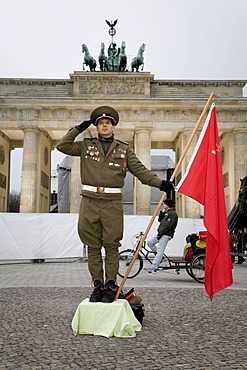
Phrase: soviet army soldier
(104,161)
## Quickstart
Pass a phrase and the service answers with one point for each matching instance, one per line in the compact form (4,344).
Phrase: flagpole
(164,195)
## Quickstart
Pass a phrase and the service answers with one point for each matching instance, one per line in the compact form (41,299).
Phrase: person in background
(168,219)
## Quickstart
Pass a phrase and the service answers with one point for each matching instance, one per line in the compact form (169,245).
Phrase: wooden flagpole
(164,195)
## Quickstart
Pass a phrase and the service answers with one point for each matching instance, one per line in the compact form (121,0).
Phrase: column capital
(31,129)
(142,130)
(187,131)
(239,130)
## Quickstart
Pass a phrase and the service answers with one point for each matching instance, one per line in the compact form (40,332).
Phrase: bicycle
(195,266)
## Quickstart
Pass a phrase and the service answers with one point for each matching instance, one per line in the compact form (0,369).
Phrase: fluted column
(142,193)
(240,158)
(29,171)
(191,207)
(75,182)
(5,148)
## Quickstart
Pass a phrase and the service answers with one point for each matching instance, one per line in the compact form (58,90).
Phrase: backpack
(188,253)
(138,310)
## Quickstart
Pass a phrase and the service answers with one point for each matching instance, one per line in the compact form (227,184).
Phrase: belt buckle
(100,189)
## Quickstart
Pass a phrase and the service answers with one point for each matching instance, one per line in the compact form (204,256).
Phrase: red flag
(203,181)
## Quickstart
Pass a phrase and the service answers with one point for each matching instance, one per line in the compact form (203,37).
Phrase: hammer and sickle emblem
(217,149)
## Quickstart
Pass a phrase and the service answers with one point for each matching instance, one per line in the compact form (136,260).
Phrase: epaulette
(123,142)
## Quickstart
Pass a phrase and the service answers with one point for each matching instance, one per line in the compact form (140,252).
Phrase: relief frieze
(111,88)
(28,114)
(233,116)
(5,114)
(166,114)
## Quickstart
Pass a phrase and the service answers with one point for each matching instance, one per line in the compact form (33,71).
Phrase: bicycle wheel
(197,268)
(125,258)
(188,269)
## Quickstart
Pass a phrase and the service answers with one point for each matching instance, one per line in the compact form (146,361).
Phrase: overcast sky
(185,39)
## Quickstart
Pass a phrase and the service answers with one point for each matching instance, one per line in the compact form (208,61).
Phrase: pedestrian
(168,219)
(104,161)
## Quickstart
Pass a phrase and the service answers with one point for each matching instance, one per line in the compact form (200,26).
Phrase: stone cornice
(201,82)
(118,85)
(126,75)
(32,81)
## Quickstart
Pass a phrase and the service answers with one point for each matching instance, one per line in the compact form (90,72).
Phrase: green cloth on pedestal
(106,319)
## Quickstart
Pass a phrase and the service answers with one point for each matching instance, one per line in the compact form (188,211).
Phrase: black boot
(110,292)
(98,292)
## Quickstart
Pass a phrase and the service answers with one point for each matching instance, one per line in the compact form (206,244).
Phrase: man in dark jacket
(104,161)
(168,222)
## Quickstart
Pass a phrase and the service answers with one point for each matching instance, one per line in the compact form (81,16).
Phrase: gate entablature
(27,104)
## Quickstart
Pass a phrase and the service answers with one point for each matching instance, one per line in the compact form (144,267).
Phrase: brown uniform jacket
(106,171)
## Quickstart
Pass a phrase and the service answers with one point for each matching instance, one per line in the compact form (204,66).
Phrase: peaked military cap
(105,112)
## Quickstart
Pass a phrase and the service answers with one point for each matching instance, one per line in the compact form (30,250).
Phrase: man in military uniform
(104,161)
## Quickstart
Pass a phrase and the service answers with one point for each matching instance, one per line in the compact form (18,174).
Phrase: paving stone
(182,328)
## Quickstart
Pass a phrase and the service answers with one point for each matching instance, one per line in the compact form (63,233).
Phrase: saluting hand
(84,125)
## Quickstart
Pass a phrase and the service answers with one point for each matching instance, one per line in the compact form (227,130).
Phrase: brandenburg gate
(154,114)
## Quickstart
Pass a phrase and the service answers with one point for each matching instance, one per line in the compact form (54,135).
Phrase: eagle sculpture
(111,24)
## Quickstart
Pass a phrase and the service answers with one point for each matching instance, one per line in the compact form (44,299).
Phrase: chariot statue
(113,57)
(116,58)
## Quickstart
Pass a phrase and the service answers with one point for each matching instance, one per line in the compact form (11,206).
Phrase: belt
(101,189)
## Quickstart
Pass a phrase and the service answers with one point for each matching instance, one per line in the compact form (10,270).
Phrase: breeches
(101,224)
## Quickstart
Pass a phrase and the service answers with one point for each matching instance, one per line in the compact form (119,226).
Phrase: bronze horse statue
(103,63)
(88,59)
(122,58)
(138,60)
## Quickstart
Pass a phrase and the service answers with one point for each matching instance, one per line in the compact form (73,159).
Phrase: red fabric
(203,182)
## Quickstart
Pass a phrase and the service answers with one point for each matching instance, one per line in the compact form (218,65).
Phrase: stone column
(192,208)
(240,158)
(142,193)
(5,148)
(75,185)
(29,171)
(75,182)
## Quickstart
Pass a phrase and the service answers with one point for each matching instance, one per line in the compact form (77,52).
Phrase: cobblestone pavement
(182,329)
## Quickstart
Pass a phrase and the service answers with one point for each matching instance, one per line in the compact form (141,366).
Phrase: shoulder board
(122,142)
